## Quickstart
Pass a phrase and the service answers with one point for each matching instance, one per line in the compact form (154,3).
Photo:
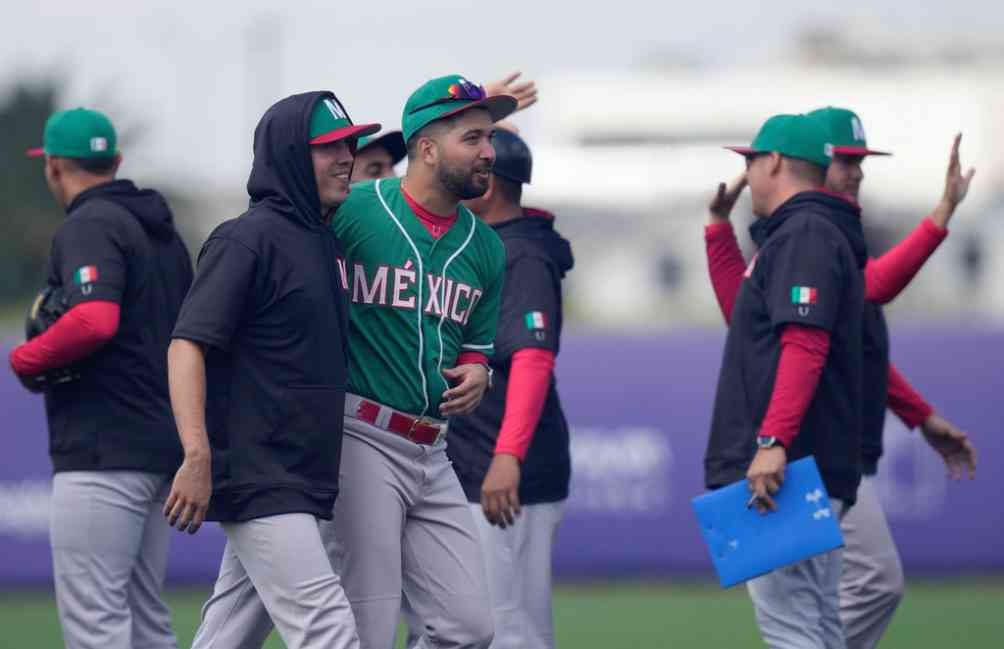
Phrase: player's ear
(428,150)
(776,163)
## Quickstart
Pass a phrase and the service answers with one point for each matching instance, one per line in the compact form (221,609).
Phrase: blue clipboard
(745,544)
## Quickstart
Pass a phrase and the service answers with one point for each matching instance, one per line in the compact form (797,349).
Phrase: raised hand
(525,92)
(725,199)
(956,186)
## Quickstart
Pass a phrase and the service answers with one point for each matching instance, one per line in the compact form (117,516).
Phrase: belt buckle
(421,420)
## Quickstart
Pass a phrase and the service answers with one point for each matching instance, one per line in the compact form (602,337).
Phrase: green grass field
(958,613)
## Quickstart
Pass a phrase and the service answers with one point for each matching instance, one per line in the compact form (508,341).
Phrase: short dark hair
(509,190)
(96,166)
(805,170)
(441,125)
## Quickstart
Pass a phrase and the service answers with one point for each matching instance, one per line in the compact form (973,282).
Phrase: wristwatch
(491,375)
(767,441)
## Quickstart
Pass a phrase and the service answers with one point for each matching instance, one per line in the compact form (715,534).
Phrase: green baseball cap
(391,141)
(330,122)
(845,129)
(793,136)
(77,133)
(447,96)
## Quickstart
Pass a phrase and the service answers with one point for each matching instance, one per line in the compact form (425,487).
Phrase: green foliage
(28,212)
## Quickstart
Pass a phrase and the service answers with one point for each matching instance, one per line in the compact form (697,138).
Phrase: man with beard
(257,374)
(425,281)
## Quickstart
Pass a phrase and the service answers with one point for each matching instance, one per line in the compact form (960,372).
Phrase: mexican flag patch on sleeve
(86,275)
(803,295)
(536,320)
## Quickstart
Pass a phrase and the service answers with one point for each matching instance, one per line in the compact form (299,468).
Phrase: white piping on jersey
(418,311)
(446,307)
(489,346)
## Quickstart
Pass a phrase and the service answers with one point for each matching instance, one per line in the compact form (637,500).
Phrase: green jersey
(416,302)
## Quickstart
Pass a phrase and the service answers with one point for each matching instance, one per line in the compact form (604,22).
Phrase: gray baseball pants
(109,554)
(401,525)
(871,585)
(798,606)
(275,570)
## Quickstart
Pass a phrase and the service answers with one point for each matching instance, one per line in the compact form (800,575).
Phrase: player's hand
(188,501)
(500,491)
(470,382)
(525,92)
(725,199)
(952,445)
(956,186)
(766,475)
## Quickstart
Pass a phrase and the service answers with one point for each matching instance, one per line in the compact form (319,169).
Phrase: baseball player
(122,270)
(790,382)
(425,280)
(377,155)
(871,584)
(258,373)
(512,453)
(872,578)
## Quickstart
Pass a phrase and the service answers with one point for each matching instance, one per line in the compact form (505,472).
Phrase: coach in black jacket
(790,383)
(511,454)
(123,271)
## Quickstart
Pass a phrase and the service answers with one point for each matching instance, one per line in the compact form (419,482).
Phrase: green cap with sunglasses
(793,136)
(446,96)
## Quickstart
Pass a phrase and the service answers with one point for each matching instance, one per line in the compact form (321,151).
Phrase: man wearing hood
(511,454)
(790,382)
(257,372)
(123,272)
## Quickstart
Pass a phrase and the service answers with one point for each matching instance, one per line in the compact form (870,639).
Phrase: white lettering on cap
(99,144)
(857,129)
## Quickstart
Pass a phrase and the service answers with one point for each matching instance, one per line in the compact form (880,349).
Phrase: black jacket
(119,244)
(268,305)
(808,271)
(537,258)
(875,372)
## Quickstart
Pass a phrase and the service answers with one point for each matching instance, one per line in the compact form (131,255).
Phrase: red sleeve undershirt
(885,277)
(803,354)
(888,275)
(725,265)
(80,332)
(472,358)
(529,379)
(905,401)
(436,225)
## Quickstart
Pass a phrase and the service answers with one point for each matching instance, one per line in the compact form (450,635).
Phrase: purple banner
(639,409)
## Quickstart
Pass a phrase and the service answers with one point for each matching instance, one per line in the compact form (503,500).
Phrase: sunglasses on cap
(459,91)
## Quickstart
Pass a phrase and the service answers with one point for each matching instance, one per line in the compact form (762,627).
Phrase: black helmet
(512,157)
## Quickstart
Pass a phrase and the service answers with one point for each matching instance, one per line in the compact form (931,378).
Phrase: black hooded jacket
(268,306)
(118,244)
(537,258)
(808,271)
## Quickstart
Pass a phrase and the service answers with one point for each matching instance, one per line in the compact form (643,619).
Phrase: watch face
(766,442)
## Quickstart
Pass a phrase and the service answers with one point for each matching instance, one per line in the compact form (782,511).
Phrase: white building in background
(629,162)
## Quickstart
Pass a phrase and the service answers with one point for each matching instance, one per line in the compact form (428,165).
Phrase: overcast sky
(195,76)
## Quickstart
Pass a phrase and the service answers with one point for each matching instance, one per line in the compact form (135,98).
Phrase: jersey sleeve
(530,307)
(90,259)
(805,284)
(216,302)
(479,332)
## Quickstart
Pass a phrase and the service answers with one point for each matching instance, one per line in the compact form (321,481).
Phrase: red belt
(411,428)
